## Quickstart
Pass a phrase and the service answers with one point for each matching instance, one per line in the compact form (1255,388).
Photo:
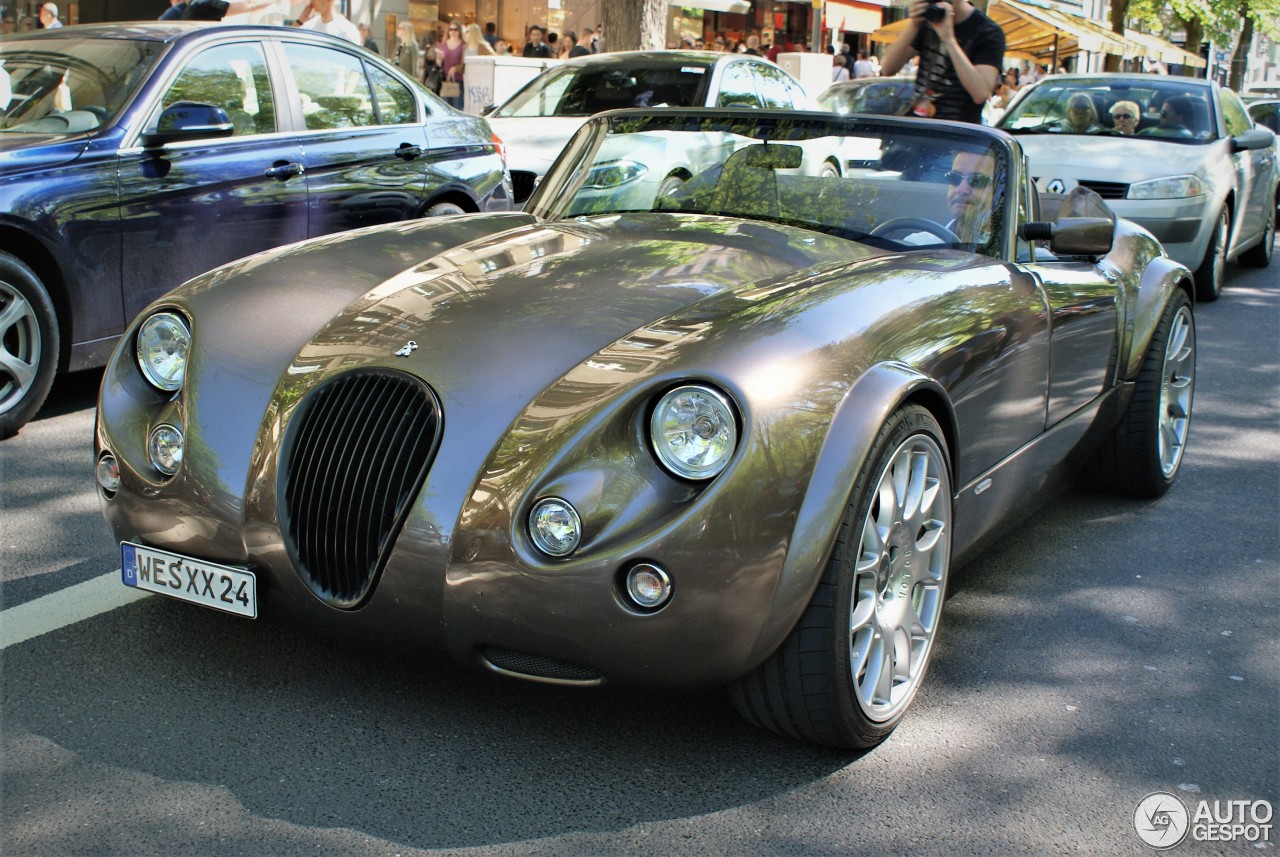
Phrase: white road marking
(64,607)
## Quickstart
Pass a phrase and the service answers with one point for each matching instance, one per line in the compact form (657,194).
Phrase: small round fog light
(555,527)
(108,473)
(166,448)
(648,586)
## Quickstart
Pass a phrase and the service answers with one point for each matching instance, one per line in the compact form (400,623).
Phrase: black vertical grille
(362,444)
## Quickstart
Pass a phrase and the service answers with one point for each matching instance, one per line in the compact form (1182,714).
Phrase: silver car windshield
(69,86)
(1164,109)
(584,90)
(900,183)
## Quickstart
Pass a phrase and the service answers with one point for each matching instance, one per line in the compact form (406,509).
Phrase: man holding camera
(961,53)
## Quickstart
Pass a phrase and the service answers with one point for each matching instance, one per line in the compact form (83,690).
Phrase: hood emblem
(409,348)
(1057,186)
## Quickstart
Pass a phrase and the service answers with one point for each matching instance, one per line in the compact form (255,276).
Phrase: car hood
(25,152)
(1116,159)
(490,310)
(534,142)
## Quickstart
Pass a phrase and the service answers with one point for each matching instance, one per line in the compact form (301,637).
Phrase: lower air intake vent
(536,666)
(361,446)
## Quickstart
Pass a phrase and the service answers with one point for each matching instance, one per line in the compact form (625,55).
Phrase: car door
(1253,169)
(363,144)
(1083,302)
(188,207)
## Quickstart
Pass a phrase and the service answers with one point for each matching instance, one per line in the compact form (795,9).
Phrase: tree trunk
(635,25)
(1119,12)
(1194,28)
(1240,56)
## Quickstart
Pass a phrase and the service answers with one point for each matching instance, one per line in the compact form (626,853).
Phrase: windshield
(1165,109)
(60,86)
(585,90)
(894,183)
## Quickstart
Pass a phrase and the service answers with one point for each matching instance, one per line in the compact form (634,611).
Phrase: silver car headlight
(613,174)
(694,431)
(1169,187)
(164,340)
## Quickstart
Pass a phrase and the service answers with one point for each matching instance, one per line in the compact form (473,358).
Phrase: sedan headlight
(694,431)
(164,341)
(1170,187)
(613,174)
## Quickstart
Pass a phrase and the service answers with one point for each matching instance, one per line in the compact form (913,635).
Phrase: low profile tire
(1209,274)
(1259,255)
(28,344)
(851,667)
(1143,454)
(444,209)
(829,170)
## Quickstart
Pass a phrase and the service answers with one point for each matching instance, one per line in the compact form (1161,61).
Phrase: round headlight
(693,431)
(555,527)
(165,447)
(163,342)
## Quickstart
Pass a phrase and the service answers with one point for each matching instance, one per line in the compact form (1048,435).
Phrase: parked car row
(134,157)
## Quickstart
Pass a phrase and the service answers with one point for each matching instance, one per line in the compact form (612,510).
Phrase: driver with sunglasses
(970,189)
(970,194)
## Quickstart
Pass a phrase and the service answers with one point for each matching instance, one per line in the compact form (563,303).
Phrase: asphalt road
(1104,650)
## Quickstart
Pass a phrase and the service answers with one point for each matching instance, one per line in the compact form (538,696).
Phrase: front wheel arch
(36,255)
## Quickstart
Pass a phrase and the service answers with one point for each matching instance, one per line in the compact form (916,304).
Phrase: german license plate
(232,590)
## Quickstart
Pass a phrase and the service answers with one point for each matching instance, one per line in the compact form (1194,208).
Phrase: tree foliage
(1224,22)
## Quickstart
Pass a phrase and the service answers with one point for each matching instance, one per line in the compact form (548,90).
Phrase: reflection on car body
(734,432)
(136,156)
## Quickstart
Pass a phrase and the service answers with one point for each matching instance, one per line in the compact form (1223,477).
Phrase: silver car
(538,120)
(1193,169)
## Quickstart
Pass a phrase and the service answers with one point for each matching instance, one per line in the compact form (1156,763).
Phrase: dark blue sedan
(135,156)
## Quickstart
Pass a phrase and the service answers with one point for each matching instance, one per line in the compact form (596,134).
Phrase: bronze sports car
(733,430)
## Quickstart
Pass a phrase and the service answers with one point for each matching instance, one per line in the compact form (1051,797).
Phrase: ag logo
(1056,186)
(1162,820)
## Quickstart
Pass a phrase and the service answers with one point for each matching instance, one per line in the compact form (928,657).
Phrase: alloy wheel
(900,578)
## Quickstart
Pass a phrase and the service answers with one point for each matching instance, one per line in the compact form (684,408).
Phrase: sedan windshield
(894,183)
(1163,109)
(61,86)
(584,90)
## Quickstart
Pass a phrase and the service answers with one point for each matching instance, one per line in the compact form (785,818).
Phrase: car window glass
(332,87)
(393,100)
(1233,112)
(70,85)
(772,88)
(737,88)
(1265,114)
(233,77)
(588,89)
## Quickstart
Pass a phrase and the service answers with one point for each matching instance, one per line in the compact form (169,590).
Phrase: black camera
(934,13)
